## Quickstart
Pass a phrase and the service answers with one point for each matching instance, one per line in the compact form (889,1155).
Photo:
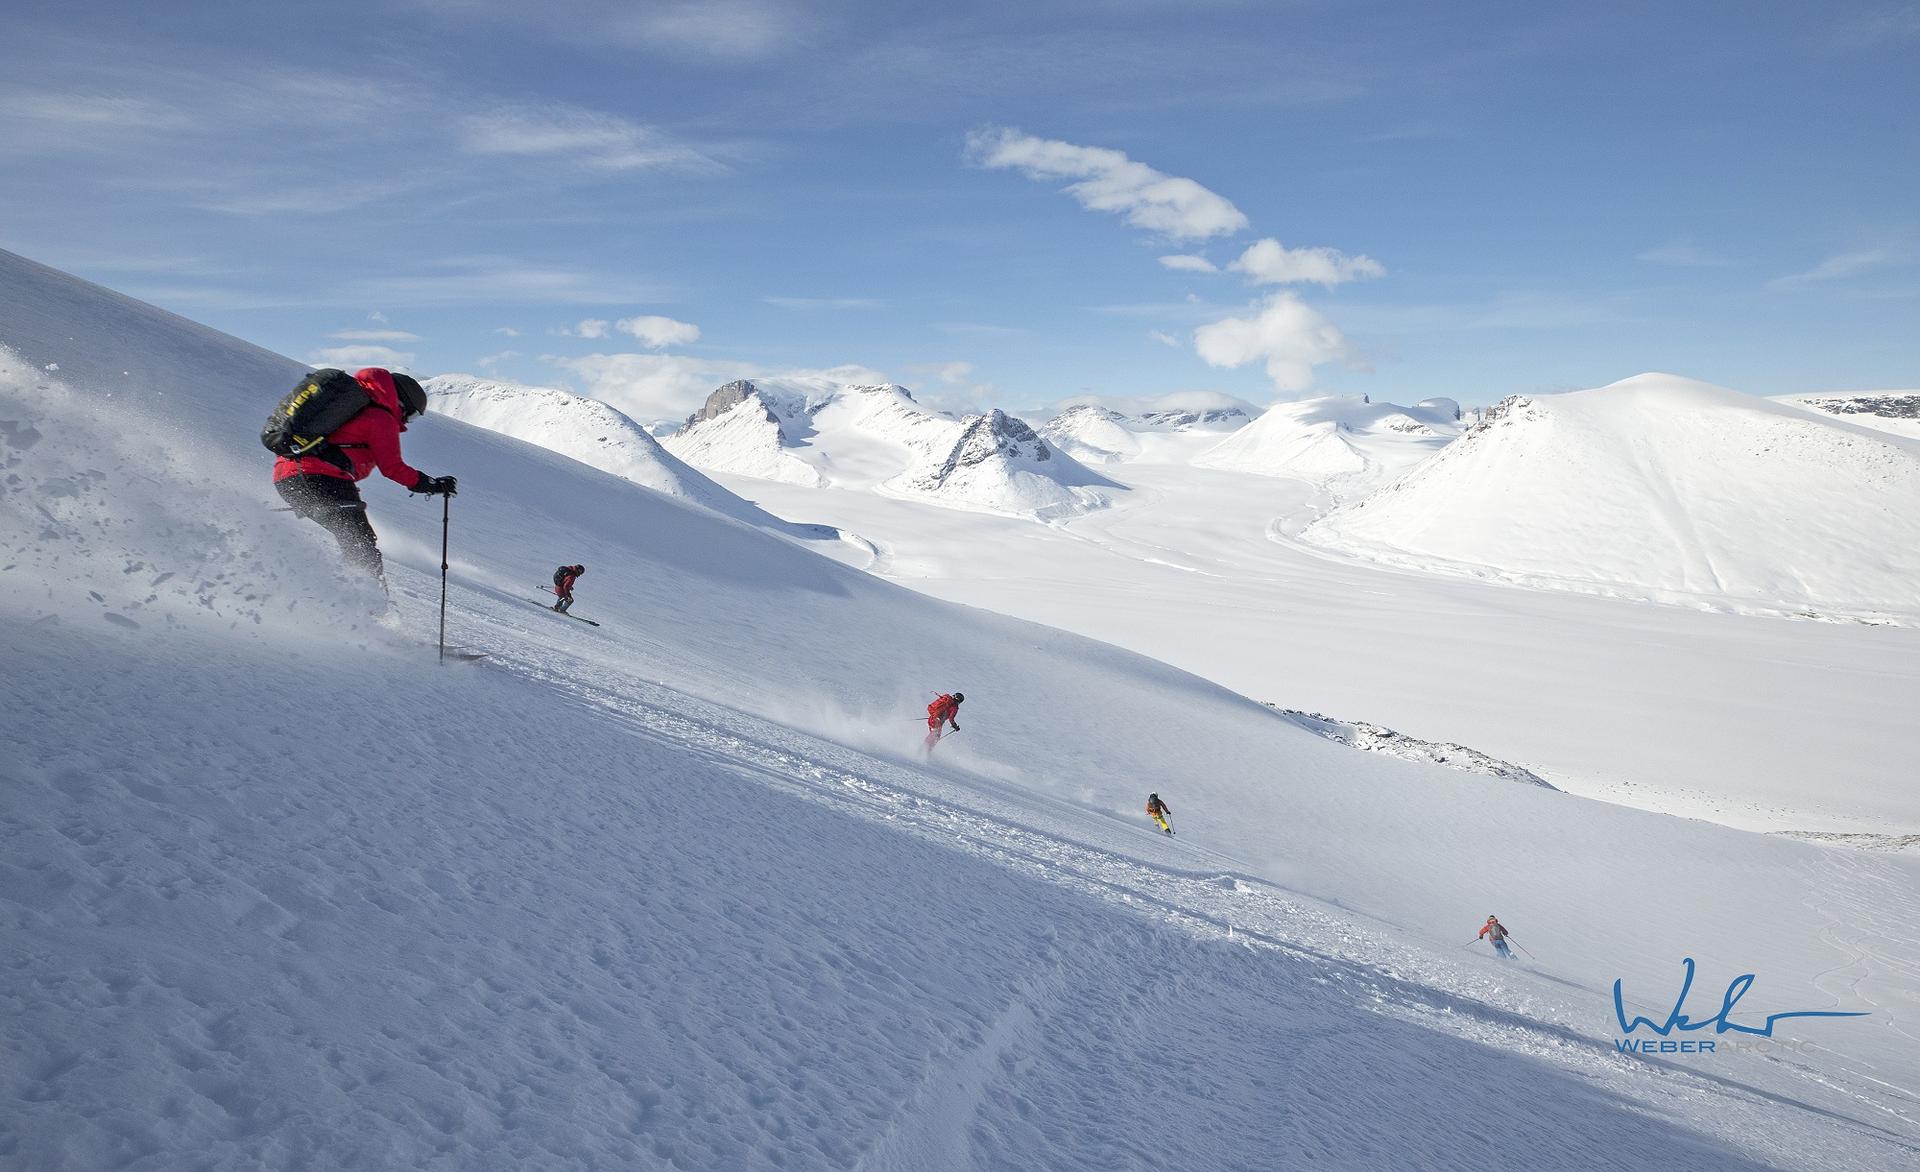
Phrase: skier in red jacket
(323,485)
(942,711)
(1496,932)
(563,579)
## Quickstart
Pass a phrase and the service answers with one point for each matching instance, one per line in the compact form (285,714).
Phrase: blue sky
(643,200)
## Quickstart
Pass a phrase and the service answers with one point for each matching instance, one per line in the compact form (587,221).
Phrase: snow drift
(1664,488)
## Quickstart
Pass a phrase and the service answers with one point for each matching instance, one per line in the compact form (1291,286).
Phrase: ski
(563,614)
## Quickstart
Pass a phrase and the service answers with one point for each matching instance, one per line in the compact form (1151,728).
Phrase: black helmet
(413,396)
(959,696)
(1154,797)
(579,570)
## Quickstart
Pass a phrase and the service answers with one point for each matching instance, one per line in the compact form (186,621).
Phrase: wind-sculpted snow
(1666,489)
(680,891)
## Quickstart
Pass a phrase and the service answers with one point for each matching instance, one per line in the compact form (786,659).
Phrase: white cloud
(354,357)
(1189,264)
(1164,338)
(1284,332)
(593,327)
(373,336)
(652,386)
(376,315)
(1847,264)
(593,139)
(1108,181)
(951,373)
(506,331)
(488,362)
(824,302)
(656,331)
(1268,262)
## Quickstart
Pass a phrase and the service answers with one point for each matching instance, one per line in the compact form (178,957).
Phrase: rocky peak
(725,399)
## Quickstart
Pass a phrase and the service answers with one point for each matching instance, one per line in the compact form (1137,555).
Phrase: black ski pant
(335,503)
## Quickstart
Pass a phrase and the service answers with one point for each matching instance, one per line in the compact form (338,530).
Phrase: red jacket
(1493,929)
(370,439)
(563,580)
(943,709)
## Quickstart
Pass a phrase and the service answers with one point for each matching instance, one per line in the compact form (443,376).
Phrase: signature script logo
(1722,1022)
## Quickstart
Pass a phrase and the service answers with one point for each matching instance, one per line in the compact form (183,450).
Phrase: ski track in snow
(1203,895)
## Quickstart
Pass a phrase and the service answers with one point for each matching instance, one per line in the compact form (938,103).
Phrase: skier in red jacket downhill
(563,580)
(323,486)
(942,711)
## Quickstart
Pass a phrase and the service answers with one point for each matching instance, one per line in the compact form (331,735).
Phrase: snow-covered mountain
(586,430)
(1894,411)
(1344,445)
(682,891)
(1001,465)
(813,432)
(1092,434)
(1665,488)
(1096,434)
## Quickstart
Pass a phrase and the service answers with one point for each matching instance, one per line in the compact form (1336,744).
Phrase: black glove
(437,485)
(956,725)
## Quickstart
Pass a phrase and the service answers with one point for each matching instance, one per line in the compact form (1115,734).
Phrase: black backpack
(319,406)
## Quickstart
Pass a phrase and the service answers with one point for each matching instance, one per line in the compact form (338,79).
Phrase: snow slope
(740,431)
(1664,488)
(593,433)
(674,892)
(1001,465)
(1344,446)
(1092,434)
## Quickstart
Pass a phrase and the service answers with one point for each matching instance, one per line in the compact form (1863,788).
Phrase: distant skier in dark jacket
(1496,932)
(563,586)
(1158,811)
(942,712)
(323,486)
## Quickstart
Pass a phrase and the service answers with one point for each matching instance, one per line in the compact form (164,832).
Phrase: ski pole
(446,516)
(1522,947)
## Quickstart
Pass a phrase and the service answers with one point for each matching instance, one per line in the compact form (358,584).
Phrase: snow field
(670,892)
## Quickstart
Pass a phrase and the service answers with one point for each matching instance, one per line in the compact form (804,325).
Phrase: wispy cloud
(351,357)
(1846,264)
(982,329)
(1189,264)
(1268,262)
(1108,181)
(1284,333)
(593,327)
(732,30)
(491,362)
(1164,338)
(589,138)
(373,336)
(825,302)
(505,331)
(496,280)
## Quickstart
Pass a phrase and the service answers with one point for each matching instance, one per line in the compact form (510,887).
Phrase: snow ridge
(1662,488)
